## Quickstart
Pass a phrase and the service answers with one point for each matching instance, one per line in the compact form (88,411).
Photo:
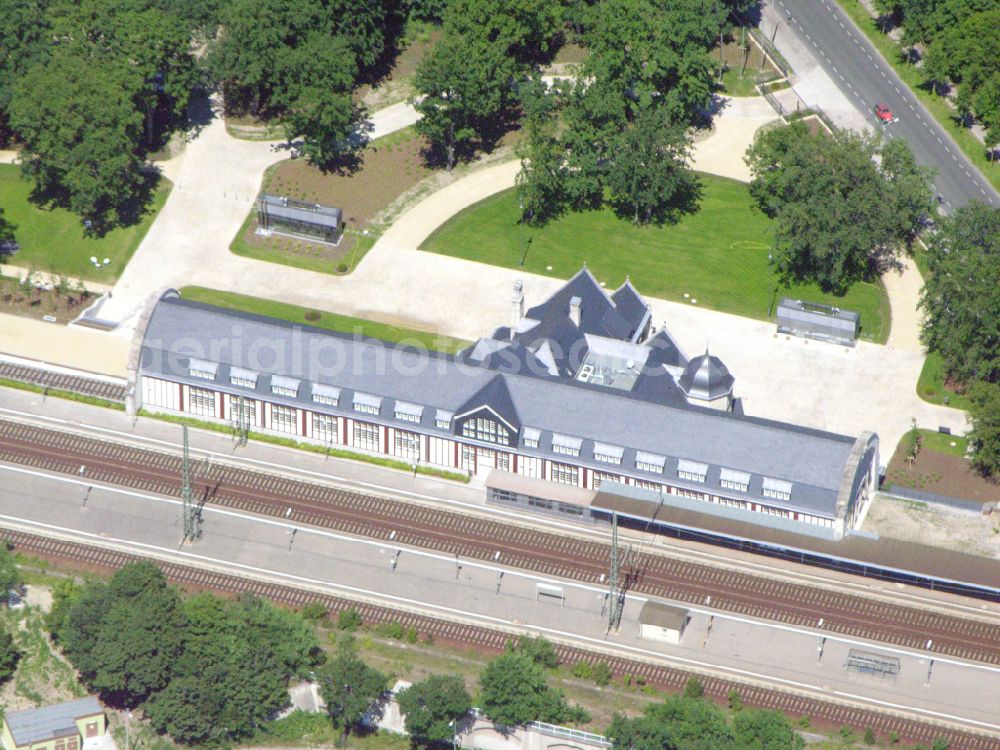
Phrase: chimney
(517,307)
(574,311)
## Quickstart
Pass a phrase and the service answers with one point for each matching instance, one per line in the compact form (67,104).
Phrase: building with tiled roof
(577,390)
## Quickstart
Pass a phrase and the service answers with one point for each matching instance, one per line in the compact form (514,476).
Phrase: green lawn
(328,320)
(718,256)
(931,387)
(53,240)
(936,105)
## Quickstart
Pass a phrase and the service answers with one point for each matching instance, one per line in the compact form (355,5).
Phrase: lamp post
(520,226)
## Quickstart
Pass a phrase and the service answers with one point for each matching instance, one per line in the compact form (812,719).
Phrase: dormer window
(367,404)
(649,462)
(407,412)
(692,471)
(325,394)
(608,454)
(734,480)
(566,445)
(282,386)
(531,436)
(243,378)
(442,420)
(777,489)
(201,368)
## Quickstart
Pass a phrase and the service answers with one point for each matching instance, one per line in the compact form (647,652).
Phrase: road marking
(939,140)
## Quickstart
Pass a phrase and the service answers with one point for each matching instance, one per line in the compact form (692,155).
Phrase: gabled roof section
(599,314)
(496,397)
(630,305)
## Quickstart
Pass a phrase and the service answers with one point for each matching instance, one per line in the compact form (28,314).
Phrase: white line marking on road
(939,140)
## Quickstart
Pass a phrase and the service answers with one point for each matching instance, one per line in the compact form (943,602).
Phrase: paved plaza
(216,180)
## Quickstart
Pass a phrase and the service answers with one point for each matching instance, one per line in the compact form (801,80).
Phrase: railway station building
(577,391)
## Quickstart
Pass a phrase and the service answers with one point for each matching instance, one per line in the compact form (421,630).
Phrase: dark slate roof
(496,397)
(706,378)
(48,722)
(178,330)
(599,313)
(630,305)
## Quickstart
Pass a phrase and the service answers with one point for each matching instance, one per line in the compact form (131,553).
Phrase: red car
(884,114)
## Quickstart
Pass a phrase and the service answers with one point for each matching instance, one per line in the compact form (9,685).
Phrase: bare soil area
(42,301)
(389,167)
(943,474)
(935,525)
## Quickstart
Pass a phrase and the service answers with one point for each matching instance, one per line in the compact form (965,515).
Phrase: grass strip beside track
(717,256)
(59,393)
(936,105)
(329,321)
(387,463)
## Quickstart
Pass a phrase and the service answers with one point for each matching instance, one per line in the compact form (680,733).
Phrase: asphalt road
(867,79)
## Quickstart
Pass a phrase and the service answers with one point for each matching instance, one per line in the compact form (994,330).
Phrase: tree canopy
(125,636)
(10,576)
(844,204)
(203,670)
(90,88)
(513,690)
(349,687)
(432,708)
(299,63)
(961,296)
(692,723)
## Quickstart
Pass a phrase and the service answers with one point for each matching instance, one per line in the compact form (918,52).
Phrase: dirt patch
(389,168)
(33,300)
(942,474)
(43,676)
(398,85)
(935,525)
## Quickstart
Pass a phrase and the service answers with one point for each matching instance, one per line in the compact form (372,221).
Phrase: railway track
(478,538)
(835,715)
(63,381)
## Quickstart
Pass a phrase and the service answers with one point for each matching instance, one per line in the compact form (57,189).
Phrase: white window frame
(367,435)
(406,444)
(284,419)
(201,401)
(325,427)
(563,473)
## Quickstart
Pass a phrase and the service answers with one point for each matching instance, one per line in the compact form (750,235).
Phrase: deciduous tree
(513,690)
(647,175)
(10,576)
(81,132)
(841,218)
(433,707)
(350,688)
(318,77)
(468,89)
(765,730)
(126,635)
(961,296)
(9,655)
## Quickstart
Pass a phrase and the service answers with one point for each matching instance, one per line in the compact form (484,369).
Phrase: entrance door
(486,460)
(90,730)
